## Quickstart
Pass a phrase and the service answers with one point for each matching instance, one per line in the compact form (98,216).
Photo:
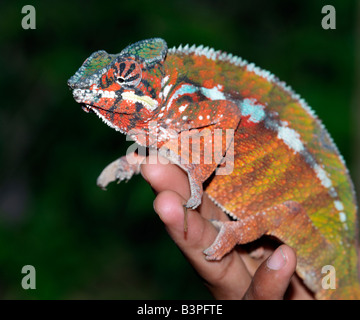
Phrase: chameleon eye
(129,73)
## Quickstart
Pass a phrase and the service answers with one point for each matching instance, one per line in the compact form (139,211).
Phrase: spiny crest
(218,55)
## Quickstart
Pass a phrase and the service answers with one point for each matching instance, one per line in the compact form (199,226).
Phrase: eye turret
(129,73)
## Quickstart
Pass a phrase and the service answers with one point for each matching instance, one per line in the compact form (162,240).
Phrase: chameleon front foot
(121,169)
(196,193)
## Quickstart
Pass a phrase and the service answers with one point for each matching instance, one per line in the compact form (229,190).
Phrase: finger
(272,278)
(162,176)
(227,278)
(170,177)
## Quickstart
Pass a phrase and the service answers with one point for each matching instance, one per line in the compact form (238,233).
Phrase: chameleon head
(122,89)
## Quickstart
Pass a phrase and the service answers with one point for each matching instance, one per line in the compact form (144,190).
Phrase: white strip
(321,174)
(85,95)
(164,80)
(338,205)
(291,138)
(146,101)
(213,93)
(182,108)
(342,216)
(166,90)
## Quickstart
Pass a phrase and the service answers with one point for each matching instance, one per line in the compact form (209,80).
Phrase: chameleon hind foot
(254,226)
(225,241)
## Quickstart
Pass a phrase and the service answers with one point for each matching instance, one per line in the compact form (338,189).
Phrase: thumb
(272,278)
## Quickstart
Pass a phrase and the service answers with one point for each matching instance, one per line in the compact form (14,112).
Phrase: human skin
(238,275)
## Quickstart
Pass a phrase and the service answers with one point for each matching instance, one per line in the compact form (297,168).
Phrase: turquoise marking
(249,107)
(184,89)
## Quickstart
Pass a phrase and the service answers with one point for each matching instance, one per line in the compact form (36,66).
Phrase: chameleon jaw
(87,108)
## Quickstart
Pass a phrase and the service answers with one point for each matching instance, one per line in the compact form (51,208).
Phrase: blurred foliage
(86,243)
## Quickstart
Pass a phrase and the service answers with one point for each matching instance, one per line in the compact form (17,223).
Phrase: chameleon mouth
(87,108)
(95,109)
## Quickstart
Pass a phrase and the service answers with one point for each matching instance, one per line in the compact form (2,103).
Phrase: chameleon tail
(351,292)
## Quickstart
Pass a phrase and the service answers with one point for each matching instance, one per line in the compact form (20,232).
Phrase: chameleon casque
(288,179)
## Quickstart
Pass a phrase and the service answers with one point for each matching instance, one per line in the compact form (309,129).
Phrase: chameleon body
(288,179)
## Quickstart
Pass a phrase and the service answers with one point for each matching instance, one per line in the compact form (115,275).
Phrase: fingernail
(277,260)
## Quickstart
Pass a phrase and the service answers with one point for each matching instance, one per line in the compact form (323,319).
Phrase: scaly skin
(274,168)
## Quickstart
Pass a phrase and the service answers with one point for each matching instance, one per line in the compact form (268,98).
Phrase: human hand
(237,275)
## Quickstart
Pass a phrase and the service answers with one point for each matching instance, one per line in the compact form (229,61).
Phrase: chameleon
(255,147)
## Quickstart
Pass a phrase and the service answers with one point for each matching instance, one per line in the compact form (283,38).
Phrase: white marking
(339,205)
(184,118)
(213,93)
(86,95)
(291,138)
(342,216)
(321,174)
(200,117)
(146,101)
(164,80)
(183,107)
(166,90)
(160,115)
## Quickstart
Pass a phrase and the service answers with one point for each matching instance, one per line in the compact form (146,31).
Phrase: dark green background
(87,243)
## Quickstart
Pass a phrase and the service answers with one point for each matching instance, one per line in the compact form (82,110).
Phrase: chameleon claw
(196,194)
(193,202)
(211,254)
(185,219)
